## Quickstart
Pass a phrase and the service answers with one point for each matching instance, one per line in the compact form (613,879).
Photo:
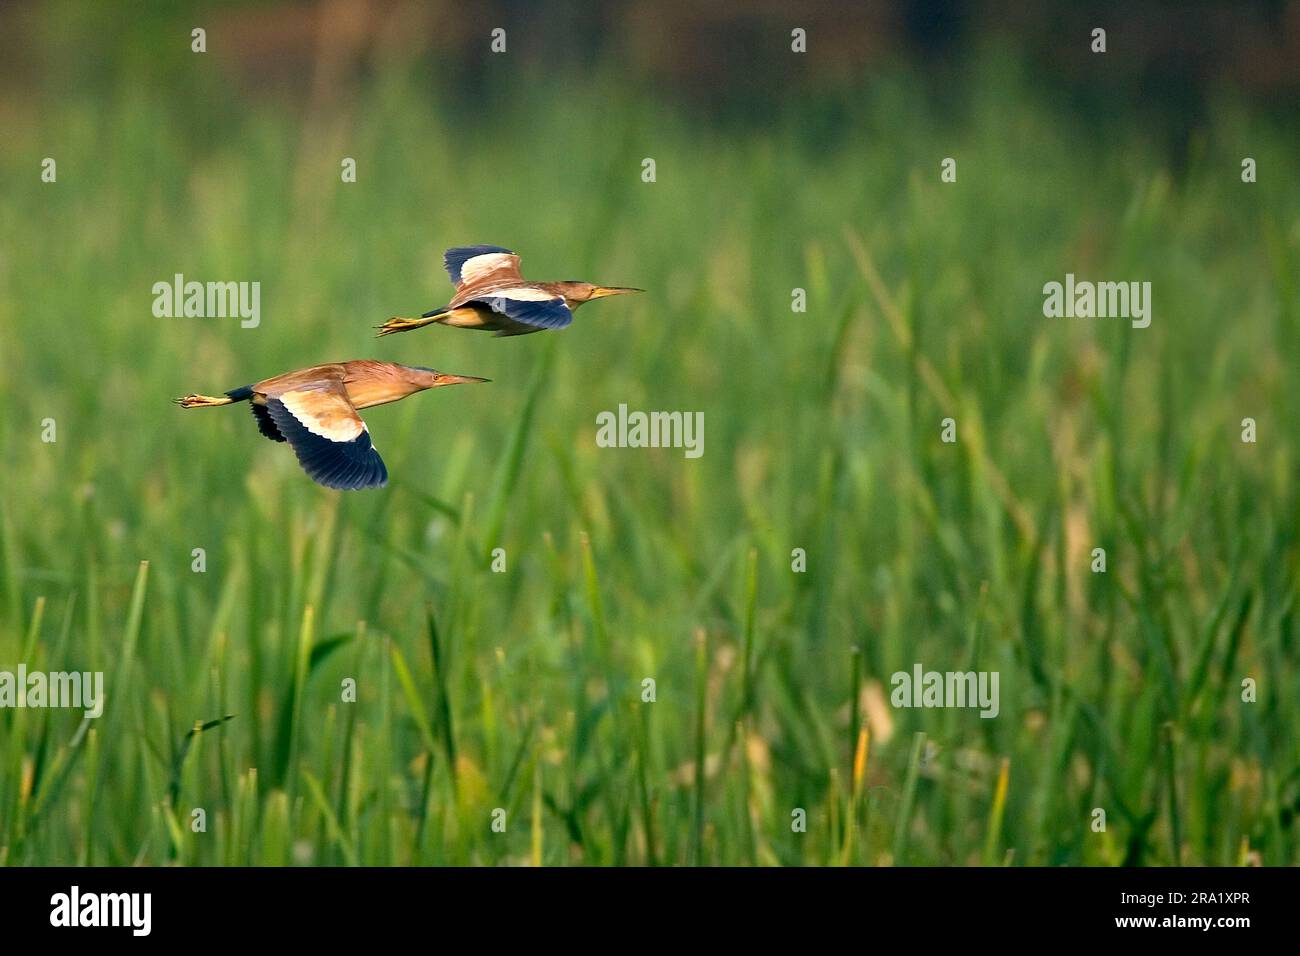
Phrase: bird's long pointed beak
(601,291)
(443,378)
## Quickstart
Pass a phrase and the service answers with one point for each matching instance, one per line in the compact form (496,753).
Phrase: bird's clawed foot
(201,401)
(399,324)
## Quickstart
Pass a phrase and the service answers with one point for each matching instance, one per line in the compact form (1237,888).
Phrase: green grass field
(523,690)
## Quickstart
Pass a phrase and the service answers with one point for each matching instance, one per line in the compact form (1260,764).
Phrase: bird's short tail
(209,401)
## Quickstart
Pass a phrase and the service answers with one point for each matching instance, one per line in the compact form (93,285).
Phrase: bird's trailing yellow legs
(399,324)
(203,401)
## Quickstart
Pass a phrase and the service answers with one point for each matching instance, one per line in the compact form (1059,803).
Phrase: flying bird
(315,411)
(492,294)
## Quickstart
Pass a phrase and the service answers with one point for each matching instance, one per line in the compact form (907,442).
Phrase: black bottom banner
(337,905)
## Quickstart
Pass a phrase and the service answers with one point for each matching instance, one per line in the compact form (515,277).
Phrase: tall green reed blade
(9,553)
(61,769)
(33,630)
(701,705)
(438,655)
(276,838)
(643,788)
(179,762)
(87,852)
(747,649)
(595,604)
(537,833)
(131,633)
(412,694)
(288,736)
(903,823)
(344,806)
(993,833)
(1170,731)
(317,794)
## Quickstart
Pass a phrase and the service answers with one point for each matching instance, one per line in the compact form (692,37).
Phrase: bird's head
(432,378)
(576,293)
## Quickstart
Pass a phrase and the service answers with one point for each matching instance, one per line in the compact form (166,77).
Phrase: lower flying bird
(492,294)
(315,411)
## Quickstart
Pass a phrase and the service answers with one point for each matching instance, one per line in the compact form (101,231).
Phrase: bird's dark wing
(328,436)
(471,265)
(265,424)
(529,306)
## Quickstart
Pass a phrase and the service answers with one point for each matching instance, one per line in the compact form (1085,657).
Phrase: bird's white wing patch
(481,267)
(326,413)
(519,294)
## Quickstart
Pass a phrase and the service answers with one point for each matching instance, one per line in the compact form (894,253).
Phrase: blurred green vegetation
(522,690)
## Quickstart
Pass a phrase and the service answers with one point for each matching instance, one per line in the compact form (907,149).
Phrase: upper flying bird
(315,410)
(492,294)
